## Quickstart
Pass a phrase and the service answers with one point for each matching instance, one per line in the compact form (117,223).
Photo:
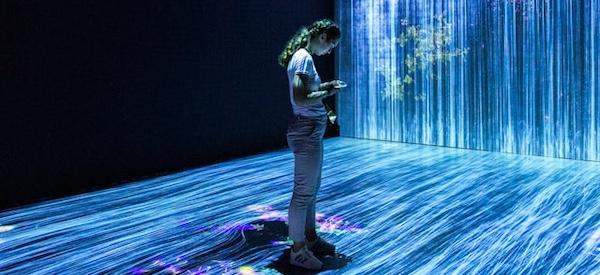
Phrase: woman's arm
(305,95)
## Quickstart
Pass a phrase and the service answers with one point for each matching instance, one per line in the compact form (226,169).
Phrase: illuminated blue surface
(517,76)
(391,208)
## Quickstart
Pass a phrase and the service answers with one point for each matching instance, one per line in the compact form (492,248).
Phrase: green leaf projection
(514,76)
(426,47)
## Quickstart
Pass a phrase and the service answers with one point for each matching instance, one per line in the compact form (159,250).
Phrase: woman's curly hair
(301,38)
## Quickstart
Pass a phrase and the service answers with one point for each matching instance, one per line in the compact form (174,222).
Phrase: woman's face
(325,46)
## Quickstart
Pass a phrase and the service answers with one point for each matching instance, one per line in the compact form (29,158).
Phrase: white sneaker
(320,246)
(304,258)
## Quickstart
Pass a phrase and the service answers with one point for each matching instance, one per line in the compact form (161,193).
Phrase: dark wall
(101,93)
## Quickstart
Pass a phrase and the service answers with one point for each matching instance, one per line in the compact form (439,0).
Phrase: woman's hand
(333,87)
(337,84)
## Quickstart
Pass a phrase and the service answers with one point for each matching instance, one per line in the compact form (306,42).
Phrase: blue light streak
(392,208)
(528,83)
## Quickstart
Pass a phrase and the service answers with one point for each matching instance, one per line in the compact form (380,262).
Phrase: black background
(98,93)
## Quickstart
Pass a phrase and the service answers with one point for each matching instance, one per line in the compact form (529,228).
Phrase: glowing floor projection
(391,208)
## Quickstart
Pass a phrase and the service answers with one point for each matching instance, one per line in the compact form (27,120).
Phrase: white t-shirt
(302,63)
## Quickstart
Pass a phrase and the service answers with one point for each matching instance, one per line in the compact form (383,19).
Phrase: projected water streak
(391,208)
(518,76)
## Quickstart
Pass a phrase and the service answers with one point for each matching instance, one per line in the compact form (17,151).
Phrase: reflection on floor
(391,208)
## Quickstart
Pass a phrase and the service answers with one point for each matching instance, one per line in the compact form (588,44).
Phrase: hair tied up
(302,36)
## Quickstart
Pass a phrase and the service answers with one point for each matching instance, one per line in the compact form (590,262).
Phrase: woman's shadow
(277,230)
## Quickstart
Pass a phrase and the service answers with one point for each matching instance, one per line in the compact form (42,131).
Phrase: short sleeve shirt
(302,63)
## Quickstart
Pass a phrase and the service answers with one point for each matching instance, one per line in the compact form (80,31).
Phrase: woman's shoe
(320,246)
(305,259)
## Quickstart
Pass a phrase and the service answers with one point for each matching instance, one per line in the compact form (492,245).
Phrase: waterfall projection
(518,76)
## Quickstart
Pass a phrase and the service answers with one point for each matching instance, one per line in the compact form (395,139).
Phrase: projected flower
(268,229)
(424,47)
(325,224)
(267,213)
(337,226)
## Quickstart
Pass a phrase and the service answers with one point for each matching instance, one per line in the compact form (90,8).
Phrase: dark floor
(391,208)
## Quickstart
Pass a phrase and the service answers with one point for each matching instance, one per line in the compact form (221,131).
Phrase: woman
(305,135)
